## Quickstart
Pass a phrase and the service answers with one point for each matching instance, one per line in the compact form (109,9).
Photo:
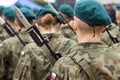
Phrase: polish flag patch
(53,76)
(22,54)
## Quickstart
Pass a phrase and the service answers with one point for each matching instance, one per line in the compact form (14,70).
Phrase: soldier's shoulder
(31,47)
(65,61)
(116,47)
(11,40)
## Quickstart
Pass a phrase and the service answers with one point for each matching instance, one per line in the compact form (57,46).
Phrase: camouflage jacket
(33,64)
(116,47)
(102,61)
(68,33)
(9,55)
(114,32)
(38,58)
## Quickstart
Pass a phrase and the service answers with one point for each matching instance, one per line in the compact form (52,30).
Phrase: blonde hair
(47,22)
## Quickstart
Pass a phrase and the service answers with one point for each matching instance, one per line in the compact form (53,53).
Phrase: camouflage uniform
(90,59)
(68,33)
(103,63)
(4,34)
(34,65)
(114,32)
(62,44)
(39,63)
(116,47)
(9,51)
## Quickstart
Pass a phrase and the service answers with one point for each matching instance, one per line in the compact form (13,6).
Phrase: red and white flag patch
(22,54)
(53,76)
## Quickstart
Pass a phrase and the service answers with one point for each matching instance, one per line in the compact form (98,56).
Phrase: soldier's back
(40,57)
(10,52)
(102,62)
(34,65)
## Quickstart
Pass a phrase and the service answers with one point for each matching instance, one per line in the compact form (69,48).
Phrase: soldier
(90,59)
(117,30)
(11,47)
(39,60)
(9,15)
(67,12)
(113,29)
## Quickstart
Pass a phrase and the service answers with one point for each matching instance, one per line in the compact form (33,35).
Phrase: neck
(88,38)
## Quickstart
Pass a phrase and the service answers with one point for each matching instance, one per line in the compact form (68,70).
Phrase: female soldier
(38,61)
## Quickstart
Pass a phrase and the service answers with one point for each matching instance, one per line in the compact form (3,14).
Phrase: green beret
(46,6)
(19,5)
(66,9)
(35,10)
(9,13)
(2,8)
(118,6)
(45,11)
(54,5)
(92,12)
(27,13)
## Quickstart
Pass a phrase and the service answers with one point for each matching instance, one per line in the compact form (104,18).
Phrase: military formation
(80,42)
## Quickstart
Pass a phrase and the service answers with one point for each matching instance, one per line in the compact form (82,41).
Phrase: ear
(103,28)
(74,25)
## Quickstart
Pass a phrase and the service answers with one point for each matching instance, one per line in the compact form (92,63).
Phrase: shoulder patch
(22,54)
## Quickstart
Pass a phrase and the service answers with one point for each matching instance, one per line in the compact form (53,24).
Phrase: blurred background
(38,4)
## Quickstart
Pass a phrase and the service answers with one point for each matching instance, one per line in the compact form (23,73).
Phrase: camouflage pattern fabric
(5,34)
(10,52)
(59,44)
(37,64)
(41,63)
(67,32)
(116,47)
(103,61)
(114,32)
(106,39)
